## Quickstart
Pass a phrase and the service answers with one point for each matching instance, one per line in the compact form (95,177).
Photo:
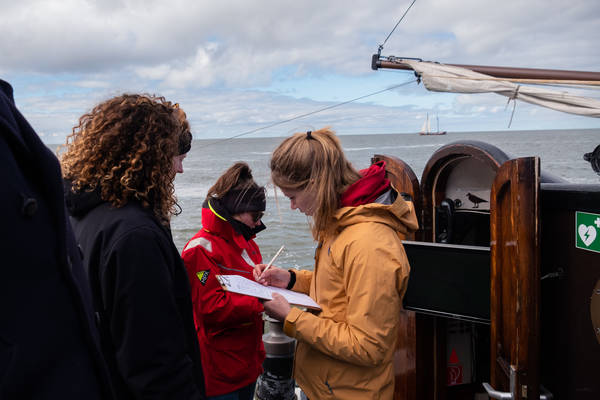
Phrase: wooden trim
(515,277)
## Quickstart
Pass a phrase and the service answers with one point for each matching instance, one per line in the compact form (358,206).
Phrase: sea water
(560,151)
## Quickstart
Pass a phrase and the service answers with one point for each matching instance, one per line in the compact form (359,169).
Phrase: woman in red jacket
(229,325)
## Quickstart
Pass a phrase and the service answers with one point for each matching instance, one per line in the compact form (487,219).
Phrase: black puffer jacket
(141,292)
(48,342)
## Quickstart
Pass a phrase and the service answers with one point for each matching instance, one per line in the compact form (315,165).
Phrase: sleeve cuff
(292,281)
(289,325)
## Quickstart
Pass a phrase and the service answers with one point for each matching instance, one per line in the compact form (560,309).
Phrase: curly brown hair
(124,148)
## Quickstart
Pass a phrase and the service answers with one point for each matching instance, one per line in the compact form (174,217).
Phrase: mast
(498,72)
(425,129)
(428,124)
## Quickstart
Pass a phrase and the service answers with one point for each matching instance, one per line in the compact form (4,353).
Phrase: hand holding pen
(268,274)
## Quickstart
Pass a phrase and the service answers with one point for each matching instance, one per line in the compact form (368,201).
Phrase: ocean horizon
(560,151)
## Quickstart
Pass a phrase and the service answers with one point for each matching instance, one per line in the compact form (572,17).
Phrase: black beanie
(250,199)
(185,142)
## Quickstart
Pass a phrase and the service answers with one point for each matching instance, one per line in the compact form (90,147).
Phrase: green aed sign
(587,231)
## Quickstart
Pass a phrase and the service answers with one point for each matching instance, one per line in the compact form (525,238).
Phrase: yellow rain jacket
(345,350)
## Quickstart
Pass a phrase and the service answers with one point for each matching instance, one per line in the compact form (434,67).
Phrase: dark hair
(124,148)
(237,190)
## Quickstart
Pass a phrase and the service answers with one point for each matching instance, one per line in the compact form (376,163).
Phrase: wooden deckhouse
(504,292)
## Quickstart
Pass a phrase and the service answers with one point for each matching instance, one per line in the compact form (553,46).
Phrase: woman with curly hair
(345,351)
(230,325)
(119,168)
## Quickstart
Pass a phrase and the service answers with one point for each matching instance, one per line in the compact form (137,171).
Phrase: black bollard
(276,381)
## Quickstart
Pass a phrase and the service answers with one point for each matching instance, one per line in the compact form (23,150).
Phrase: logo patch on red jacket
(203,276)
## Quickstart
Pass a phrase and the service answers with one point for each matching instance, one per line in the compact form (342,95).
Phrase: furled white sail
(446,78)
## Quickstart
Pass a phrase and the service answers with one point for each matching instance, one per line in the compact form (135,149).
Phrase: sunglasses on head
(257,215)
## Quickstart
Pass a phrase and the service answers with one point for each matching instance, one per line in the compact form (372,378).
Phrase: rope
(308,114)
(390,34)
(514,99)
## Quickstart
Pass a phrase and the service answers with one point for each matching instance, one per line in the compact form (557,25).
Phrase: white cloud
(239,64)
(256,37)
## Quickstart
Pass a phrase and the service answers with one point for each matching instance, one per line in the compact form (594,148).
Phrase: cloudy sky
(239,66)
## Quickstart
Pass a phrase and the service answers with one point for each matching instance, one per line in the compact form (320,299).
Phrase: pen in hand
(272,259)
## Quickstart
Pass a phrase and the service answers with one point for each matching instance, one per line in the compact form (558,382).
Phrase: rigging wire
(309,113)
(390,34)
(334,105)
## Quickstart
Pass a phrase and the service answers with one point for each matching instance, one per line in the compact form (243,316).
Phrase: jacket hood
(389,209)
(216,218)
(368,188)
(80,203)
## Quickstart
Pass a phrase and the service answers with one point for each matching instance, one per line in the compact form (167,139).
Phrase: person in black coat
(119,167)
(48,343)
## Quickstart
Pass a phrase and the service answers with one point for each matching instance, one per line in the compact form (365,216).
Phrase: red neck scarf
(365,190)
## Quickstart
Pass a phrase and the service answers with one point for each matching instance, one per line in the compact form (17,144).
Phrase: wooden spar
(503,72)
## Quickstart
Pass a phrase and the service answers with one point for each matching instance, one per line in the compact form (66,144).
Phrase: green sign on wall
(587,231)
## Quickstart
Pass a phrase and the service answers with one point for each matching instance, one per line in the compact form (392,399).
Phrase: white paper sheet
(239,284)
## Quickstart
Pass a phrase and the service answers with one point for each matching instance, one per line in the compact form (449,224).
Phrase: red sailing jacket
(229,325)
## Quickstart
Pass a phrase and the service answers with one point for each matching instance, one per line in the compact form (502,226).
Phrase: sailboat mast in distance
(426,129)
(438,126)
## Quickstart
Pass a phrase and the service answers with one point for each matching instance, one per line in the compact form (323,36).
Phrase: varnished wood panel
(515,277)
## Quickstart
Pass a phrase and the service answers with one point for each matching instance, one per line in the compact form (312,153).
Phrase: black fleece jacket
(142,295)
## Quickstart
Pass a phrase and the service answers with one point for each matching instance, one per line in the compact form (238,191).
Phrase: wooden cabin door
(515,281)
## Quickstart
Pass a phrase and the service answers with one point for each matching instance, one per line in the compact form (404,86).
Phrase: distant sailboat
(426,128)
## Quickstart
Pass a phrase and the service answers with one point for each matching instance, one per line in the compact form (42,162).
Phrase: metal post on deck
(276,381)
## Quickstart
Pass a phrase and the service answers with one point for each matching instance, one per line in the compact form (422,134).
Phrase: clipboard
(241,285)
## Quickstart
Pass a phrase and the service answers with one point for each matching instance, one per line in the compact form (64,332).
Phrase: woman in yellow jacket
(345,350)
